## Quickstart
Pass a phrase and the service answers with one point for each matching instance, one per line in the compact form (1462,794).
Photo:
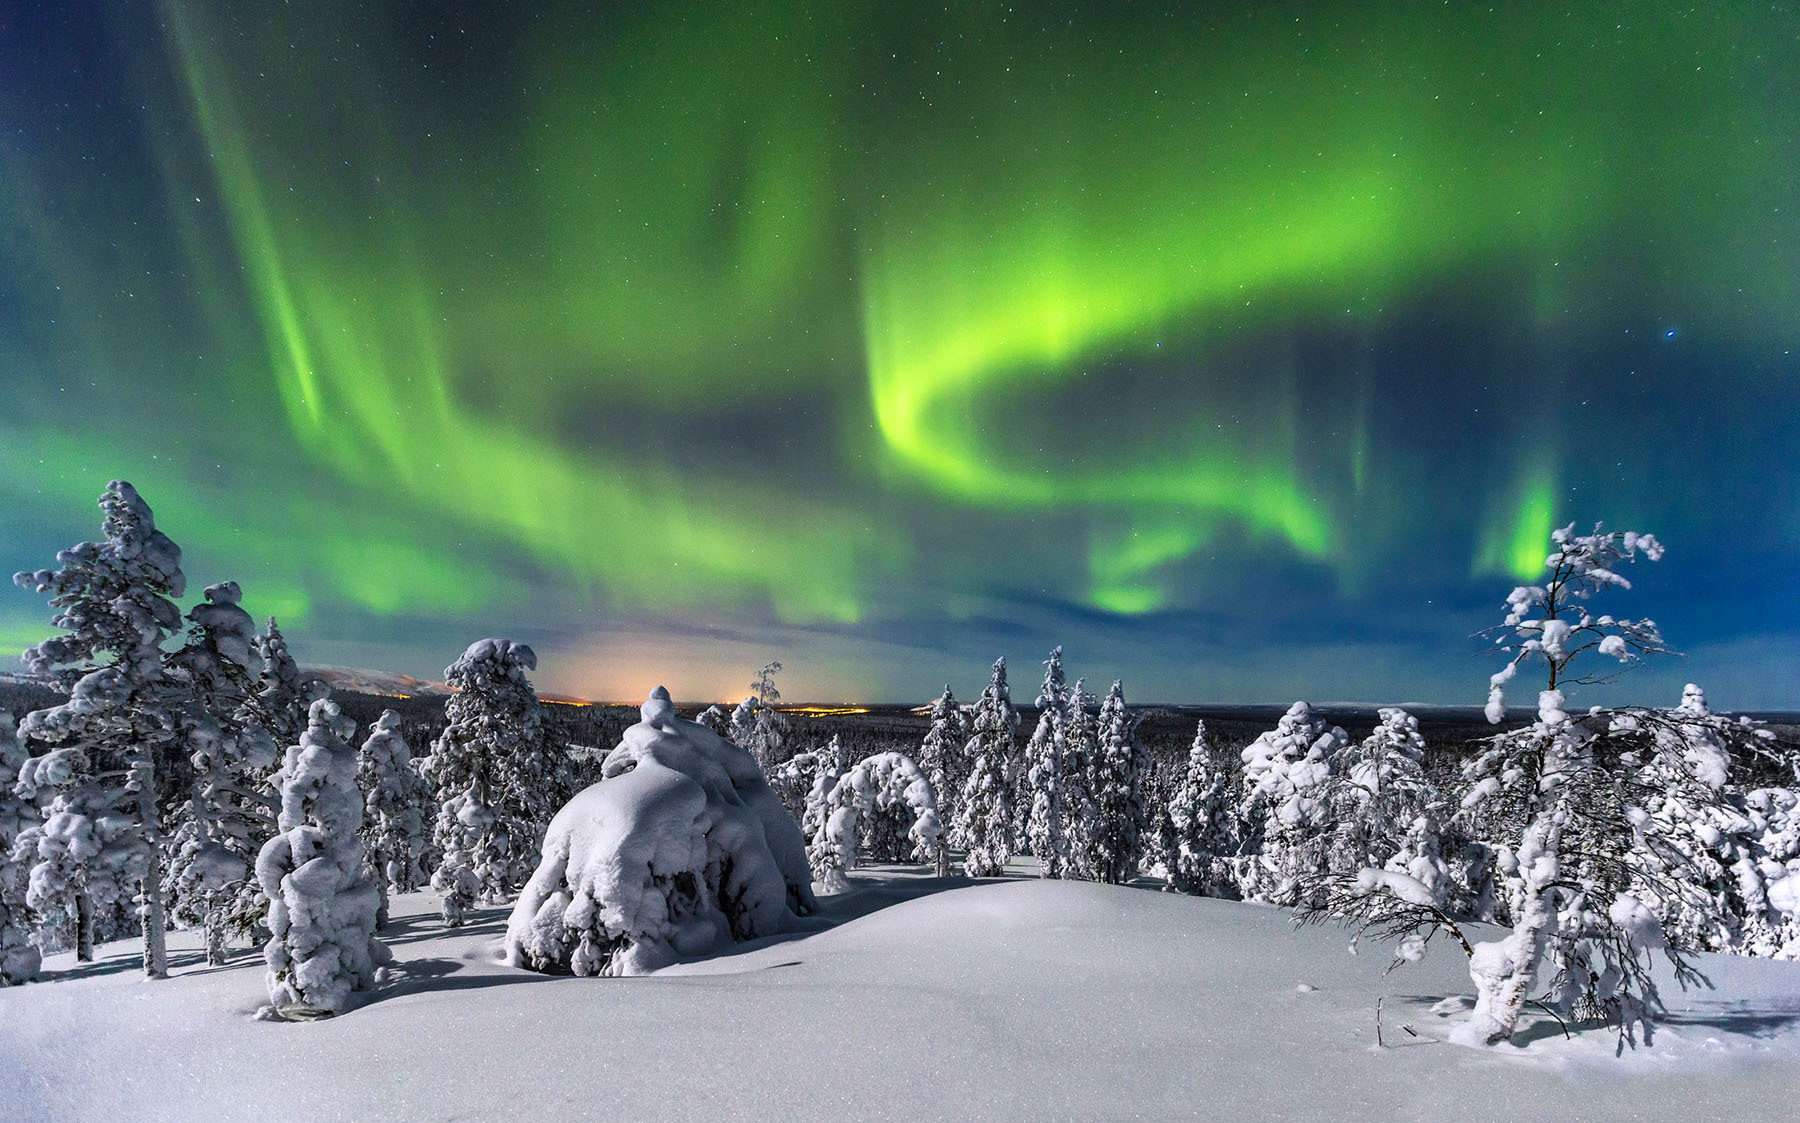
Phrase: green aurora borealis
(1252,354)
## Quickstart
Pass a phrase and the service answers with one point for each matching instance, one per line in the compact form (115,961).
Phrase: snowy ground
(926,1000)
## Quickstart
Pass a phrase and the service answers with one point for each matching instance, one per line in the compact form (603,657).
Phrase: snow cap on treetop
(496,650)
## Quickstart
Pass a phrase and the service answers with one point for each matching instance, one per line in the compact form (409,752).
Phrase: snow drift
(680,847)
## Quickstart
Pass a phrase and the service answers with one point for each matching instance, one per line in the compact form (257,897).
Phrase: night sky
(1251,355)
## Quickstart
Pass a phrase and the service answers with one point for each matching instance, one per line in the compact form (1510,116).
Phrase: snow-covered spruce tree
(283,696)
(941,756)
(883,807)
(766,732)
(1568,800)
(1729,896)
(1286,774)
(717,720)
(101,837)
(19,960)
(322,900)
(1203,815)
(230,811)
(1080,750)
(828,766)
(1118,770)
(1770,878)
(1043,820)
(1561,788)
(1376,795)
(741,727)
(984,815)
(392,824)
(498,783)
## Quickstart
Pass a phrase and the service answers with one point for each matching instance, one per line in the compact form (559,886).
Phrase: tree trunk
(381,899)
(84,927)
(155,920)
(1505,971)
(150,894)
(215,942)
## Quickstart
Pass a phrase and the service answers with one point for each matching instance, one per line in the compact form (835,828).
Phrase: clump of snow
(681,847)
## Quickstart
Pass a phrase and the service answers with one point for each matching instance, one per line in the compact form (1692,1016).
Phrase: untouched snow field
(924,999)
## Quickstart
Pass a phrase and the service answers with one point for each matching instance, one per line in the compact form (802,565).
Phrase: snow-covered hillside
(926,1000)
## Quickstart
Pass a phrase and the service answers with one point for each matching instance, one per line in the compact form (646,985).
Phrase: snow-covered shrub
(322,900)
(1202,814)
(984,816)
(1118,818)
(885,808)
(101,837)
(392,824)
(497,781)
(1285,783)
(18,958)
(941,756)
(683,846)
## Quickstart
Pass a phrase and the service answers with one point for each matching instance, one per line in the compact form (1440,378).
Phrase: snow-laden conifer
(716,719)
(1377,794)
(1044,773)
(392,825)
(1706,870)
(941,756)
(283,695)
(829,765)
(498,783)
(1119,768)
(1080,750)
(101,837)
(984,815)
(1285,783)
(1203,816)
(1564,785)
(759,725)
(1769,874)
(19,959)
(1570,804)
(230,810)
(322,900)
(741,726)
(794,779)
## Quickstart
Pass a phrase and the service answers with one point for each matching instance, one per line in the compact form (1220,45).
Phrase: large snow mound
(680,848)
